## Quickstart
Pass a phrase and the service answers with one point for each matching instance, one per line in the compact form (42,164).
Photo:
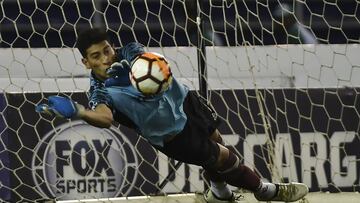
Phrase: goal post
(281,75)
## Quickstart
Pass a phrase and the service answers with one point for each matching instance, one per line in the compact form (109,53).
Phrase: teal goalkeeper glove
(119,74)
(61,107)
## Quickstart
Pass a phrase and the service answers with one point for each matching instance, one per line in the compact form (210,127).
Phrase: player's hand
(61,107)
(119,74)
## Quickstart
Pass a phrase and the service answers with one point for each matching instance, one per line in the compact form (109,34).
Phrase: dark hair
(89,37)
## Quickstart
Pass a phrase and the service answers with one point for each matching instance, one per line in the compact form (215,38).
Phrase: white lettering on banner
(284,158)
(316,143)
(250,142)
(196,182)
(178,183)
(346,177)
(174,185)
(313,152)
(77,160)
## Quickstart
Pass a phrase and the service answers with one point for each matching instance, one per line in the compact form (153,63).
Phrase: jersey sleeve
(130,51)
(98,94)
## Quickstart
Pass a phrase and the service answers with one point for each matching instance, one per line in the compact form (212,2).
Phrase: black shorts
(193,145)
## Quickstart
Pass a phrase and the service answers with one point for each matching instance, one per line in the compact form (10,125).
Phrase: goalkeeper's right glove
(61,107)
(119,74)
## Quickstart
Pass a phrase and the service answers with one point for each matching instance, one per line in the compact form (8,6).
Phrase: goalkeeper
(177,122)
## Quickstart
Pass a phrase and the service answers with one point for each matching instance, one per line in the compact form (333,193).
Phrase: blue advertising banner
(305,135)
(4,154)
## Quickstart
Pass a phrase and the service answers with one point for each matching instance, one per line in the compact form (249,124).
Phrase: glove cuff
(80,110)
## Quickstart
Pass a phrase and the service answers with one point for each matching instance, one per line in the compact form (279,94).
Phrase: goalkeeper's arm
(64,107)
(101,116)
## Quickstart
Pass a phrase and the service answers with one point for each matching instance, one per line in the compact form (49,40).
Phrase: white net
(282,75)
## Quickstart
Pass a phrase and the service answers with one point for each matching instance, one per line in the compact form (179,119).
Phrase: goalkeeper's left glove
(61,107)
(119,74)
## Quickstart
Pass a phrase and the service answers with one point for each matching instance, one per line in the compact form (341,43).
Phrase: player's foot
(211,198)
(287,192)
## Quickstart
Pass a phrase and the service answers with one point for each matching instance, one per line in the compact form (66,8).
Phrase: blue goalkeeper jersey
(154,117)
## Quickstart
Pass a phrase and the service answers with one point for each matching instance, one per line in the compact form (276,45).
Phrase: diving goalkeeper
(177,122)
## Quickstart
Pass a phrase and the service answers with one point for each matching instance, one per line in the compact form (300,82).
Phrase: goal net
(283,77)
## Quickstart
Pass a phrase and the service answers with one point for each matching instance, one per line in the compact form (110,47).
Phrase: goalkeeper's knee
(237,174)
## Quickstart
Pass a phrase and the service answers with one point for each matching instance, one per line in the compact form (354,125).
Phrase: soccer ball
(150,74)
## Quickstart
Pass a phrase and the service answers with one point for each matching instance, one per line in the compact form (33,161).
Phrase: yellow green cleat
(287,192)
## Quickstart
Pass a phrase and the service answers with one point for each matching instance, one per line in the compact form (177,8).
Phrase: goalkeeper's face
(99,57)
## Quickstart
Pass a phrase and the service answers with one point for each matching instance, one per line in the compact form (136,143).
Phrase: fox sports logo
(79,161)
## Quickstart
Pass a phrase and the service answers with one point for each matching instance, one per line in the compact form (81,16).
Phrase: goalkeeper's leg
(219,190)
(229,169)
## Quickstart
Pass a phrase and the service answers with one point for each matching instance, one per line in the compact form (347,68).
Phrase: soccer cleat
(287,192)
(211,198)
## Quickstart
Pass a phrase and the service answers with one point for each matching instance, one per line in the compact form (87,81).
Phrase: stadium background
(44,23)
(324,117)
